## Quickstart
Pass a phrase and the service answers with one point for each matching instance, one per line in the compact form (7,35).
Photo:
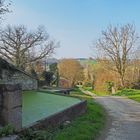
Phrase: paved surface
(123,118)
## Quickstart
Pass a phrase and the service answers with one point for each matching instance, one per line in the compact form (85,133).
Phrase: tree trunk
(122,81)
(93,83)
(113,90)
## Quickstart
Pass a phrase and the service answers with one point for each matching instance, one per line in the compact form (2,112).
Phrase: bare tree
(116,43)
(90,74)
(21,46)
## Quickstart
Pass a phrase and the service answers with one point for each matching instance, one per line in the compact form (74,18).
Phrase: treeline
(103,79)
(100,75)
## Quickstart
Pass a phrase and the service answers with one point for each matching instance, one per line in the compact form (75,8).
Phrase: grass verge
(133,94)
(135,97)
(98,93)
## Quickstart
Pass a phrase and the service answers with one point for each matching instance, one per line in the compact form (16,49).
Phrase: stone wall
(0,102)
(27,82)
(11,105)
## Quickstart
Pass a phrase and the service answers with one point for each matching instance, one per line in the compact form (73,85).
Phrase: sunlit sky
(75,23)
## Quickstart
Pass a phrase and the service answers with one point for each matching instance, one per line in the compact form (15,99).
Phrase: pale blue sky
(75,23)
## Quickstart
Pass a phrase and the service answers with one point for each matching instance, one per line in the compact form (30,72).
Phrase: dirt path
(123,118)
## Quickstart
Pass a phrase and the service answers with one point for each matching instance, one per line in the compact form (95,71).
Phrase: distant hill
(85,61)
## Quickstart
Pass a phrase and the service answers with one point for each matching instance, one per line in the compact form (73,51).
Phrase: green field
(39,105)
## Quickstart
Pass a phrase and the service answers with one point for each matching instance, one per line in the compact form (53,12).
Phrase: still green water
(38,105)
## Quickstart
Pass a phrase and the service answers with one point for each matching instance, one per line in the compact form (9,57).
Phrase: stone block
(11,105)
(13,117)
(9,87)
(14,137)
(12,99)
(0,101)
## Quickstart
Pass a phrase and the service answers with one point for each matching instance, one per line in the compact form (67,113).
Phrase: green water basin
(39,105)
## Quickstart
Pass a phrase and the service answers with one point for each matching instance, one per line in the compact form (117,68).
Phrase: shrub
(87,84)
(7,130)
(109,85)
(128,92)
(29,134)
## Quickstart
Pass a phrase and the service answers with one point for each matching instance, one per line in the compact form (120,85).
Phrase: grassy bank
(130,93)
(85,127)
(135,97)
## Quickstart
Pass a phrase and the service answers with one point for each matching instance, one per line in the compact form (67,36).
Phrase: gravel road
(123,118)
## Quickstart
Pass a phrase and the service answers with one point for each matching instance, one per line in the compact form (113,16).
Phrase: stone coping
(9,87)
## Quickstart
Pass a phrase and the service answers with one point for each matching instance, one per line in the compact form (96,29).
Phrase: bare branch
(18,45)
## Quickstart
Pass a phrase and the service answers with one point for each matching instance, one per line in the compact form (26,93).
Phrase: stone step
(13,137)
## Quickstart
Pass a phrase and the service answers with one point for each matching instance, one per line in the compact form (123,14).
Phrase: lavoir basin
(39,105)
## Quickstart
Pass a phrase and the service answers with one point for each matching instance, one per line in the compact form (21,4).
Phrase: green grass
(135,97)
(127,92)
(88,88)
(85,127)
(7,130)
(95,92)
(130,93)
(101,93)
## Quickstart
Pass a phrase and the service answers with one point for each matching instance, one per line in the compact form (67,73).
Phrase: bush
(109,85)
(7,130)
(48,76)
(29,134)
(87,84)
(127,92)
